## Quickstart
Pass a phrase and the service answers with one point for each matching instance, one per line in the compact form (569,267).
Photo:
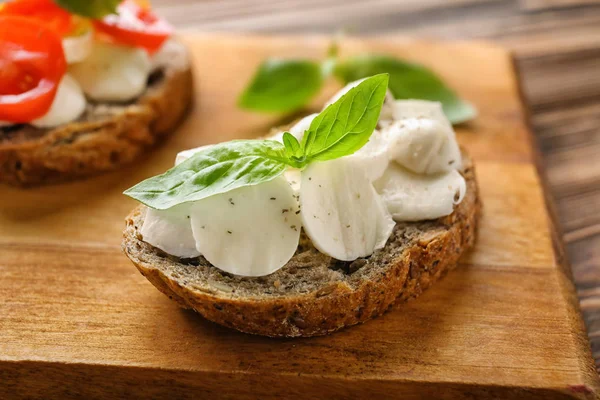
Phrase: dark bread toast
(106,136)
(314,294)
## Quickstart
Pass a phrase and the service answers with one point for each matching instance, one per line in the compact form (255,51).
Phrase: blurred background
(557,47)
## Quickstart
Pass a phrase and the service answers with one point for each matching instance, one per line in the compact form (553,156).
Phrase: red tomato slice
(135,26)
(32,63)
(44,11)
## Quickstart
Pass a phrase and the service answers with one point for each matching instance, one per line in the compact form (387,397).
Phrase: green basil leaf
(282,85)
(346,125)
(407,81)
(292,146)
(217,169)
(90,8)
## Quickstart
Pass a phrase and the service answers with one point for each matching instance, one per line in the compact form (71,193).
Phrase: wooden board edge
(590,377)
(56,380)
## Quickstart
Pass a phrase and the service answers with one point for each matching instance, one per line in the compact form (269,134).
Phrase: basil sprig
(285,86)
(341,129)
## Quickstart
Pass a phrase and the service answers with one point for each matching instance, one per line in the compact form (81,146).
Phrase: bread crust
(426,257)
(106,137)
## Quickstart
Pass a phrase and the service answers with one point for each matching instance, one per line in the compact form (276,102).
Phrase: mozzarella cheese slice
(294,178)
(403,109)
(341,212)
(170,230)
(169,52)
(250,231)
(373,157)
(412,197)
(422,139)
(69,103)
(416,143)
(387,109)
(78,48)
(113,72)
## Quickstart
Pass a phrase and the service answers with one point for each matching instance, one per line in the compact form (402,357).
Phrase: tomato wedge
(44,11)
(32,63)
(134,25)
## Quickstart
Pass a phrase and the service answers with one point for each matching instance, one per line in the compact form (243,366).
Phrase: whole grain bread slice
(107,135)
(313,294)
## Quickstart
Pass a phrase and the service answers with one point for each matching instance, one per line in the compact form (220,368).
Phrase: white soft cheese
(415,197)
(113,72)
(419,145)
(403,109)
(168,53)
(68,105)
(341,212)
(421,138)
(78,48)
(170,230)
(373,157)
(250,231)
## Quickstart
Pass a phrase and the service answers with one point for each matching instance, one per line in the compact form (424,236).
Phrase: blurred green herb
(282,85)
(94,9)
(407,81)
(286,86)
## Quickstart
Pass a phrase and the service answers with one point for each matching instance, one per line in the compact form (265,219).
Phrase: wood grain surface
(557,47)
(78,321)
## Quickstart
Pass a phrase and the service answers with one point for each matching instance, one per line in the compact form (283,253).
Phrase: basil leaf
(407,81)
(346,125)
(217,169)
(90,8)
(292,146)
(282,85)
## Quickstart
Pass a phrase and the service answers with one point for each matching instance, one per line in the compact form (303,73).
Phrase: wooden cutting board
(78,320)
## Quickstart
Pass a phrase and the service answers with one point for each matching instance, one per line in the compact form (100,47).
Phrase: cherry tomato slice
(32,63)
(135,26)
(44,11)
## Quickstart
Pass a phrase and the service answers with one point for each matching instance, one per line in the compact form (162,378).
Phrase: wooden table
(557,46)
(504,325)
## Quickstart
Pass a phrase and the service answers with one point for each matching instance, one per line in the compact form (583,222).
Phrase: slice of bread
(314,294)
(106,136)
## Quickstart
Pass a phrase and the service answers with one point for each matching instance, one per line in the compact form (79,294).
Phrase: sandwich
(82,93)
(318,227)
